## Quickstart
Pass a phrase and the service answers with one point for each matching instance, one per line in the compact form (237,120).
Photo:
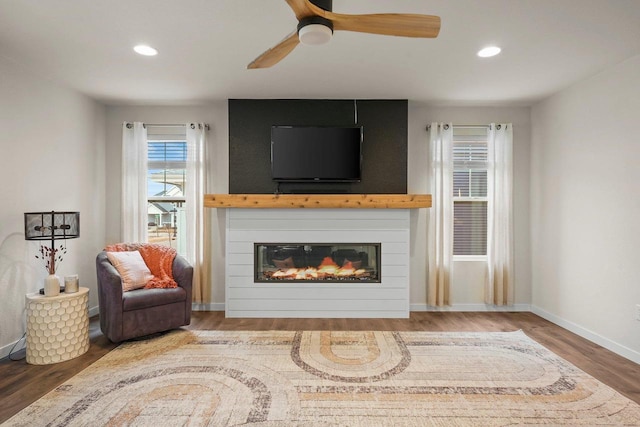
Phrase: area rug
(329,378)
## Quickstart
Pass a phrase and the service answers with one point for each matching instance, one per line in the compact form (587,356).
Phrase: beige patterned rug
(288,378)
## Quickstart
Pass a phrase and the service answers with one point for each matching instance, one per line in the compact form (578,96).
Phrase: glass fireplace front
(317,262)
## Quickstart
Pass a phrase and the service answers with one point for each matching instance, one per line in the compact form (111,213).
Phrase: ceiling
(205,46)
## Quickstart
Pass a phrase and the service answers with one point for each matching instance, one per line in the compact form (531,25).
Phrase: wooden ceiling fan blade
(304,8)
(277,53)
(390,24)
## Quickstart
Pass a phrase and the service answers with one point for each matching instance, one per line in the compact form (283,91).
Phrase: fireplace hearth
(317,262)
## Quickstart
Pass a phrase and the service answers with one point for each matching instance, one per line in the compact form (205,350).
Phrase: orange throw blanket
(158,258)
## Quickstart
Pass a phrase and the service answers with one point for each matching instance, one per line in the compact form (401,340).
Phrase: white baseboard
(210,306)
(619,349)
(219,306)
(94,311)
(215,306)
(471,307)
(4,351)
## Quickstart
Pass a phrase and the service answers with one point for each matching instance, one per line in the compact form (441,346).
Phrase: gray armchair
(127,315)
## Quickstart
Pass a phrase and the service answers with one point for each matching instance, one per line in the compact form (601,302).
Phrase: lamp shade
(51,225)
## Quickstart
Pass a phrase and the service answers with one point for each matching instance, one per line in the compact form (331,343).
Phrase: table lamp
(51,226)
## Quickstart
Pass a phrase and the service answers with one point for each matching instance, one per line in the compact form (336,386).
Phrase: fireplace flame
(327,266)
(327,269)
(328,261)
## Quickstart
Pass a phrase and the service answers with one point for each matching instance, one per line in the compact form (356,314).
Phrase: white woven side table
(57,327)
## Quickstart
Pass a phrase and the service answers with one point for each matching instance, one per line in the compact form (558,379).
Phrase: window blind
(470,154)
(166,169)
(469,227)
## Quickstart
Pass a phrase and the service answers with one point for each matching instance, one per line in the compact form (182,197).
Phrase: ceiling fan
(317,22)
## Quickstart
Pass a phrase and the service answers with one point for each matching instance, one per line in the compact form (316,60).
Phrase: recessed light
(489,51)
(145,50)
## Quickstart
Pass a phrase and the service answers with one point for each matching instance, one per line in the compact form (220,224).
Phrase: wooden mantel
(315,201)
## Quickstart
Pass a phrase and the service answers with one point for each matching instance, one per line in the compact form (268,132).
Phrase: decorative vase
(51,285)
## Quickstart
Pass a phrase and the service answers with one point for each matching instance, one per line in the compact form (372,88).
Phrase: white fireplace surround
(388,299)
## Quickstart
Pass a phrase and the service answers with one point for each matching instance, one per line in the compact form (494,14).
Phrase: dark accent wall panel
(384,147)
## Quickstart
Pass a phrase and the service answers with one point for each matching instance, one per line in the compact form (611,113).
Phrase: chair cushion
(145,298)
(132,269)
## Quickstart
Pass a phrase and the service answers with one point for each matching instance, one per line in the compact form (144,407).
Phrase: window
(166,180)
(470,201)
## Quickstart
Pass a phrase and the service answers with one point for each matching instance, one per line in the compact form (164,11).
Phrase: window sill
(470,258)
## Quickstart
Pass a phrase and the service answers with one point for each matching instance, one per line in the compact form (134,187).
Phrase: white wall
(215,114)
(467,288)
(52,141)
(585,208)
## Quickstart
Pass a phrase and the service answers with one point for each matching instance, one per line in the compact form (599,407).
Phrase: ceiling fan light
(315,34)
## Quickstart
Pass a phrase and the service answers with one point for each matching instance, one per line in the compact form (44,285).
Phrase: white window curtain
(197,217)
(500,270)
(440,238)
(133,216)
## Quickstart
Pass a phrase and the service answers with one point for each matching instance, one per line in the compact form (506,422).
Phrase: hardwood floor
(21,384)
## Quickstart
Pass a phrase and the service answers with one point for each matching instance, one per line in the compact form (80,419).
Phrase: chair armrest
(183,275)
(109,297)
(109,280)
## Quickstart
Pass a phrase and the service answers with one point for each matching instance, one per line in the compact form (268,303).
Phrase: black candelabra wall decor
(384,148)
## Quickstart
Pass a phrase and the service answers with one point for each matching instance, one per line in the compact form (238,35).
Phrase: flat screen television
(322,154)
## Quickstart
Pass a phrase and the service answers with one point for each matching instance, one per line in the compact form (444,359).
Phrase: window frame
(163,165)
(177,201)
(455,198)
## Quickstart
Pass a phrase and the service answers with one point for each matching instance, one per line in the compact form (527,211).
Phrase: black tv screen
(306,153)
